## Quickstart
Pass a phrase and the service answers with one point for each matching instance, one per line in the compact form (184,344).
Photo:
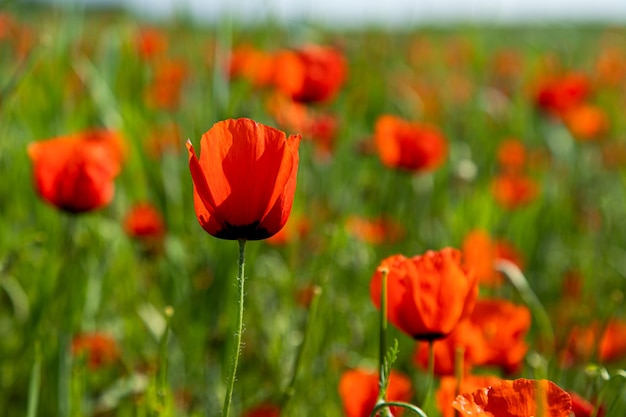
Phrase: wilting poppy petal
(516,398)
(245,179)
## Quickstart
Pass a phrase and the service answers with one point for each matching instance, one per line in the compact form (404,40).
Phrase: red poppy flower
(407,145)
(466,336)
(245,180)
(165,89)
(613,343)
(493,334)
(558,94)
(144,221)
(100,349)
(514,190)
(263,410)
(586,122)
(75,173)
(427,295)
(359,391)
(252,64)
(480,253)
(512,155)
(518,398)
(447,390)
(374,231)
(607,341)
(151,42)
(310,74)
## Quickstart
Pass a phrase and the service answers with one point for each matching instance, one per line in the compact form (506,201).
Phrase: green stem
(163,359)
(406,406)
(382,343)
(35,384)
(431,375)
(290,390)
(238,329)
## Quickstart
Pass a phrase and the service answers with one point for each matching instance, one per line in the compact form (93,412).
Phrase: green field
(169,304)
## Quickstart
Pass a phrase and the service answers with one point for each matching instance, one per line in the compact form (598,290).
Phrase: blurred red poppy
(359,391)
(310,74)
(427,295)
(374,231)
(252,64)
(557,94)
(245,180)
(162,140)
(263,410)
(75,173)
(144,222)
(480,252)
(151,42)
(586,121)
(607,341)
(514,190)
(165,90)
(610,67)
(517,398)
(512,155)
(613,342)
(448,386)
(100,349)
(408,145)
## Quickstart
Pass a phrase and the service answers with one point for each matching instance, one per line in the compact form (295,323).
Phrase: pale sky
(389,11)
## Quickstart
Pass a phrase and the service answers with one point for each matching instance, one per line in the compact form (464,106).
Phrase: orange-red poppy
(610,67)
(313,73)
(480,252)
(263,410)
(144,222)
(512,191)
(607,341)
(448,386)
(75,173)
(151,42)
(374,231)
(516,398)
(409,145)
(245,180)
(512,155)
(427,295)
(358,389)
(100,349)
(466,336)
(165,90)
(558,94)
(493,334)
(252,64)
(586,121)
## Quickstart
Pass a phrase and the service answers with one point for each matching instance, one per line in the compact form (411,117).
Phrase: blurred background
(377,12)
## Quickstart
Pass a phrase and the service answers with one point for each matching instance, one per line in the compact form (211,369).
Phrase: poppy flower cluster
(427,295)
(245,179)
(75,173)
